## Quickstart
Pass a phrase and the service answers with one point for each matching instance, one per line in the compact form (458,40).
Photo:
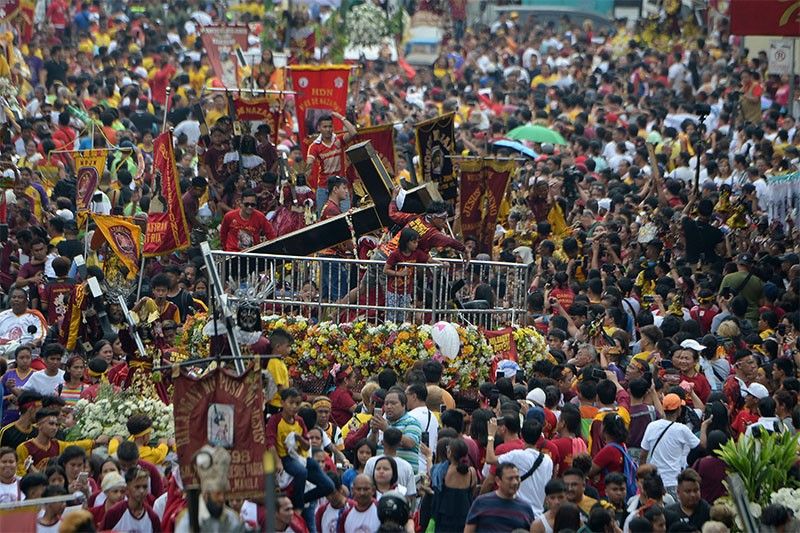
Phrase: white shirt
(192,130)
(47,529)
(427,421)
(366,522)
(685,174)
(44,384)
(330,519)
(9,492)
(405,474)
(670,454)
(532,489)
(767,424)
(131,524)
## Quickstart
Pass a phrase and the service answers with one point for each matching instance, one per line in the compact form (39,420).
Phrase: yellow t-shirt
(151,454)
(284,428)
(280,374)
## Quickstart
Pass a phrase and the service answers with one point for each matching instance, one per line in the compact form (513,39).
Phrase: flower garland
(109,413)
(395,346)
(192,343)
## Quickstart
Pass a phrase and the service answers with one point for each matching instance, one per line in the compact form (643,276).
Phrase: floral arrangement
(367,25)
(396,346)
(193,342)
(108,414)
(789,498)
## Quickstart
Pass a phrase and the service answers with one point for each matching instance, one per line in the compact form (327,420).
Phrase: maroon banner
(222,410)
(503,345)
(497,175)
(765,17)
(220,42)
(471,201)
(261,110)
(382,139)
(319,90)
(167,230)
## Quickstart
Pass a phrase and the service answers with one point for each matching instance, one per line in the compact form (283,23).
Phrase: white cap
(604,203)
(756,389)
(537,397)
(66,214)
(691,344)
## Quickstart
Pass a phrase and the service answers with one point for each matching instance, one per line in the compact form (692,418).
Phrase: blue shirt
(410,428)
(490,512)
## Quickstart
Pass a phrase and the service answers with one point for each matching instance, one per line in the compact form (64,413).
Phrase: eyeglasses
(249,204)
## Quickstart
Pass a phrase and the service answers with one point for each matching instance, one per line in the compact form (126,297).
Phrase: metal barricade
(327,288)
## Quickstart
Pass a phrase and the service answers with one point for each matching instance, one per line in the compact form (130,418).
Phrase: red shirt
(742,420)
(328,161)
(159,82)
(701,386)
(429,236)
(400,284)
(57,14)
(609,459)
(66,136)
(58,295)
(341,405)
(236,233)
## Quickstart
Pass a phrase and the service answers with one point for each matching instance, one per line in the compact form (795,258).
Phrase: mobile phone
(28,463)
(499,375)
(781,330)
(83,477)
(424,438)
(598,373)
(665,363)
(442,407)
(377,411)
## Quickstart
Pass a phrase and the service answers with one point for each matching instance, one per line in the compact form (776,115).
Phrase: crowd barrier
(346,290)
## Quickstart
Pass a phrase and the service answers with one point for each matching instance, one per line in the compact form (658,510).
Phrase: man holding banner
(326,157)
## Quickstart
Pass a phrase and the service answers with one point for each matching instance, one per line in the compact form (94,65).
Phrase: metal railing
(327,288)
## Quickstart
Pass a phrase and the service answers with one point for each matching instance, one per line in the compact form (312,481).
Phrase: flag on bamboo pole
(167,230)
(436,145)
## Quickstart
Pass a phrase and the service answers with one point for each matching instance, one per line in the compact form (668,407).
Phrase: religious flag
(167,230)
(503,346)
(225,410)
(436,145)
(263,110)
(122,236)
(220,42)
(382,140)
(319,90)
(471,198)
(765,17)
(497,177)
(90,165)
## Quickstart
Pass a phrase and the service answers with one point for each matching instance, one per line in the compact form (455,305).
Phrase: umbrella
(516,146)
(537,134)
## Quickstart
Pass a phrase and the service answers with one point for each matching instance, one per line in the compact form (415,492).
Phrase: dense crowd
(661,274)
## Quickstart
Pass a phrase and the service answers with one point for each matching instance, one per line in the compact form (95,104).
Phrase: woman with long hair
(70,390)
(611,457)
(364,450)
(13,380)
(453,482)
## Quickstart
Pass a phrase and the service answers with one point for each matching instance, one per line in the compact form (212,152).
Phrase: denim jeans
(322,199)
(302,473)
(335,280)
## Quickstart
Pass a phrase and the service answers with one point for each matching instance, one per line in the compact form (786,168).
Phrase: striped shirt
(490,512)
(410,428)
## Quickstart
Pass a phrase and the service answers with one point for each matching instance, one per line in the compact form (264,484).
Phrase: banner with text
(261,110)
(90,165)
(435,146)
(382,139)
(220,42)
(765,17)
(224,410)
(497,176)
(503,346)
(167,230)
(319,90)
(123,236)
(471,198)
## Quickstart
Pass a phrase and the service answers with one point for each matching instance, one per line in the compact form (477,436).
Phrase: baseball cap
(672,402)
(691,344)
(509,368)
(536,396)
(755,389)
(744,259)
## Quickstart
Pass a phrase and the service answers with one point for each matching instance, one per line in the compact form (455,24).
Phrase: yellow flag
(122,236)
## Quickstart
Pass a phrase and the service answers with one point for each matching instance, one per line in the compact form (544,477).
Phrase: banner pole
(166,110)
(792,98)
(141,277)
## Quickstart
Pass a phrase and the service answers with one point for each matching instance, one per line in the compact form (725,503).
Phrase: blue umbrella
(517,146)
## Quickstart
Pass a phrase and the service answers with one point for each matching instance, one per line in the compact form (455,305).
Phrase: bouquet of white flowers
(789,498)
(367,25)
(108,414)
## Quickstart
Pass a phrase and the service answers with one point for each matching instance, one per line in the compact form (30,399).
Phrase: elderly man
(395,415)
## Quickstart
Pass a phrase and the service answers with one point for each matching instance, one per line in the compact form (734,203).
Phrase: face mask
(214,509)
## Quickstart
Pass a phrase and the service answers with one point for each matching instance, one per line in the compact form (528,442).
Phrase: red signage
(320,90)
(765,17)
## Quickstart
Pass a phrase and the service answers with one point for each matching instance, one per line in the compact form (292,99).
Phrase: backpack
(629,469)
